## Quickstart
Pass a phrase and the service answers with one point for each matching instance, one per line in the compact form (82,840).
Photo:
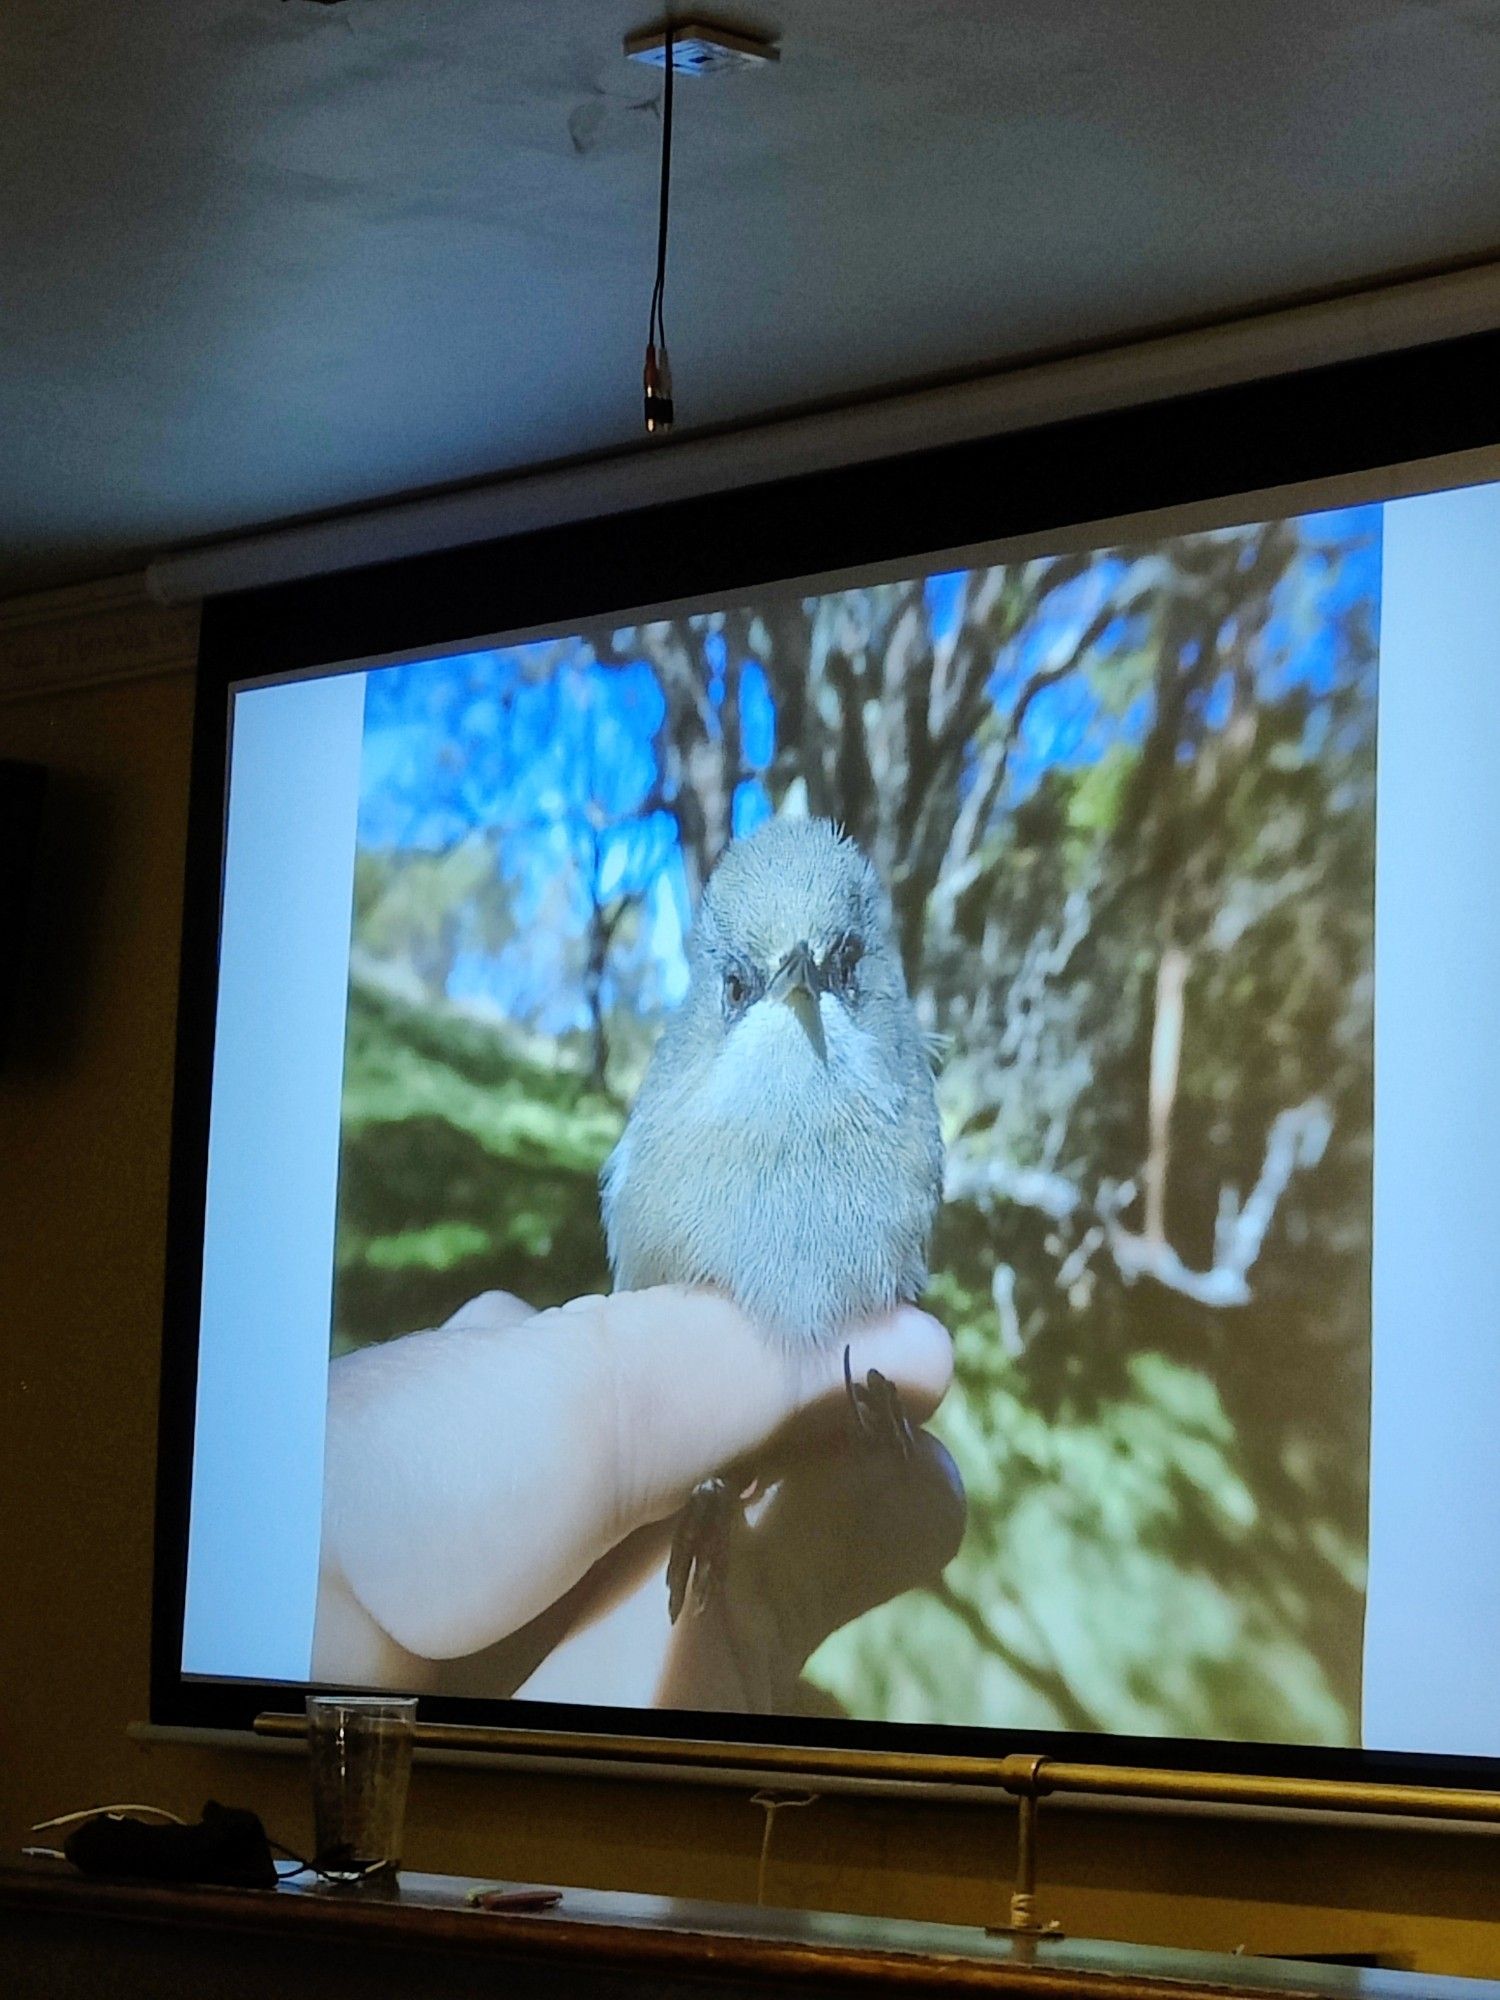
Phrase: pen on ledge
(514,1899)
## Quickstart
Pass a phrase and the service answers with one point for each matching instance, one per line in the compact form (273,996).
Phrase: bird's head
(795,976)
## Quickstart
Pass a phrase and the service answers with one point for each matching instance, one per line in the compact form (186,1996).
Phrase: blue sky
(554,755)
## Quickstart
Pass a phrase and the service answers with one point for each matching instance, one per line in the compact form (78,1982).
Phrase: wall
(97,686)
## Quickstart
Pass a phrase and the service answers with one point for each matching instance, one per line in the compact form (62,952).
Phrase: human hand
(510,1471)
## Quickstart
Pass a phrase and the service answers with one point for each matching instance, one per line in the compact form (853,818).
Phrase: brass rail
(1021,1776)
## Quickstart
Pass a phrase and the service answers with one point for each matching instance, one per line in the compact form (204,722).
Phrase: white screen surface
(1434,1603)
(273,1170)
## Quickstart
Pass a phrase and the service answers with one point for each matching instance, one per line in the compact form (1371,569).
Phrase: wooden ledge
(709,1944)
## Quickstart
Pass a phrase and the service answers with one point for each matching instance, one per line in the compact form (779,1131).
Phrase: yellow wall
(83,1178)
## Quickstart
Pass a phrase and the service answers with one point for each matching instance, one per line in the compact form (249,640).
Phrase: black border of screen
(1321,423)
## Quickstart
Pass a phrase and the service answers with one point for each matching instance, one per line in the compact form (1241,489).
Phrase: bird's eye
(842,962)
(737,989)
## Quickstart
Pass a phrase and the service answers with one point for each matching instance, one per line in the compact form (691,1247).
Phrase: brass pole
(1023,1896)
(1026,1777)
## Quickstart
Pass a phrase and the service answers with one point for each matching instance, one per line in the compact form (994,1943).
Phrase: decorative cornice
(91,634)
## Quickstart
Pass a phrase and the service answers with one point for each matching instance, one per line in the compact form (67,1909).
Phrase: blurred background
(1124,804)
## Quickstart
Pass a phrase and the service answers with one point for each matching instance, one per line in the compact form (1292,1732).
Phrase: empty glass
(359,1747)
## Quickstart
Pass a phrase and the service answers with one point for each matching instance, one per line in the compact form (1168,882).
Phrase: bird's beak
(795,983)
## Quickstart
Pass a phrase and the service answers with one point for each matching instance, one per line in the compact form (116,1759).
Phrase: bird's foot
(699,1561)
(880,1419)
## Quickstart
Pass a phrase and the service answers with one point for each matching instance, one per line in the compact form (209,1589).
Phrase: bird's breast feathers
(810,1205)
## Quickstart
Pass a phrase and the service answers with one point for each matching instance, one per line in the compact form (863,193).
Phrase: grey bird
(784,1146)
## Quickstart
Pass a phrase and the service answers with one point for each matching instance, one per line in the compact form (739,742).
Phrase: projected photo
(1000,940)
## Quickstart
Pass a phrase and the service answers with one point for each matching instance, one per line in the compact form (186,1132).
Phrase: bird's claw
(699,1560)
(880,1418)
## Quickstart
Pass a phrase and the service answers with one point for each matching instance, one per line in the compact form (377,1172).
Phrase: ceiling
(260,258)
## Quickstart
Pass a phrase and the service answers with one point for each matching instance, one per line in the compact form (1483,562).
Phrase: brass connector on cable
(658,385)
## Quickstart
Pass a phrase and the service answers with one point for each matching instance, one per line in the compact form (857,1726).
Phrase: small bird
(784,1146)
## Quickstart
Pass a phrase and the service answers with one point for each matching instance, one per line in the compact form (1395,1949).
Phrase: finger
(460,1492)
(508,1667)
(492,1311)
(475,1473)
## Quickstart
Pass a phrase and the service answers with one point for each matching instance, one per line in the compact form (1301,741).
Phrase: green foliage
(469,1163)
(1120,1572)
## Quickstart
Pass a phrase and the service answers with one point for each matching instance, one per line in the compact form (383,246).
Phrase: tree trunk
(1166,1066)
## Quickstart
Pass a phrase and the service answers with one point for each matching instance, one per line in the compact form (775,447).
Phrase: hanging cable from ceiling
(658,373)
(703,49)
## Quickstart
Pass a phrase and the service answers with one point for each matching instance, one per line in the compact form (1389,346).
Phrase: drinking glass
(359,1748)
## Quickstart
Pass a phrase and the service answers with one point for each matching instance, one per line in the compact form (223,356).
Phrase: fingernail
(914,1316)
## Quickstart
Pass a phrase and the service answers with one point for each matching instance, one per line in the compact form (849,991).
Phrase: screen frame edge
(1324,423)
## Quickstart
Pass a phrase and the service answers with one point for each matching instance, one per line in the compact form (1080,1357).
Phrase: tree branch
(969,1177)
(961,864)
(1046,1682)
(1297,1140)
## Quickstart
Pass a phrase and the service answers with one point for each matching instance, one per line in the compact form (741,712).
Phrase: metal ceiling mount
(701,48)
